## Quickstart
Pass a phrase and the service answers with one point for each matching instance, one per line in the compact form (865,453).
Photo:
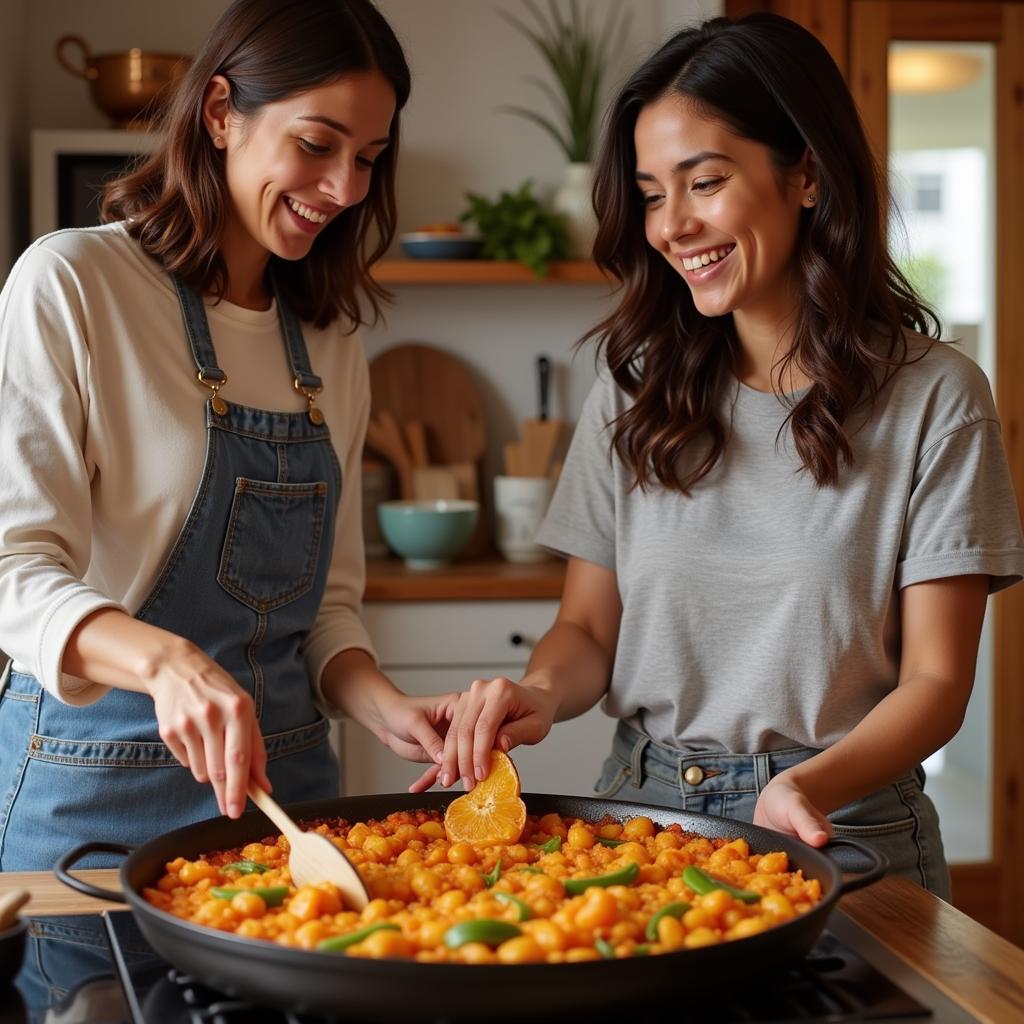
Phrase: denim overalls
(243,581)
(898,820)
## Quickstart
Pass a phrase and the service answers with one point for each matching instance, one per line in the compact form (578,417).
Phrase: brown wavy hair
(768,80)
(175,201)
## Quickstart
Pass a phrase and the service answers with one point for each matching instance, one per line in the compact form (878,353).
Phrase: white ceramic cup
(519,506)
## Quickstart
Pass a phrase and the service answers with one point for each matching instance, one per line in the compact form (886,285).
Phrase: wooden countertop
(970,965)
(491,579)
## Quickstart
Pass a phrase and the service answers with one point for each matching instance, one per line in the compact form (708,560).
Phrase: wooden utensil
(313,858)
(416,436)
(9,907)
(540,436)
(385,437)
(513,458)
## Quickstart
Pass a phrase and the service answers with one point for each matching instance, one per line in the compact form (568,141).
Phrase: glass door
(941,164)
(940,87)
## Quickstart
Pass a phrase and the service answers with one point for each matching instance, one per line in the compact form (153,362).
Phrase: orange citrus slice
(491,812)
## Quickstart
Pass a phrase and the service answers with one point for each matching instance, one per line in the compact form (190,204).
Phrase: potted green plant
(517,226)
(576,52)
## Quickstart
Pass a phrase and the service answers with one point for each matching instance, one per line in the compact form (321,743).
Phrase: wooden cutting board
(418,382)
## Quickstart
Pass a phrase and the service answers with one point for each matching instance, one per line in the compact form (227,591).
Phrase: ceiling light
(914,70)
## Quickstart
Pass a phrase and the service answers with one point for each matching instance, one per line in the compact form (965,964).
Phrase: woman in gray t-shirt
(785,504)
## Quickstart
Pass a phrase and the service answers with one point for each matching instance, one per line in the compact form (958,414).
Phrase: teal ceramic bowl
(427,534)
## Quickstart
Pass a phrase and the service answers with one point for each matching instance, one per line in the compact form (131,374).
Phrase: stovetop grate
(832,985)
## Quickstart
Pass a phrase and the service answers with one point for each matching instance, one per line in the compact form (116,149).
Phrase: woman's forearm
(940,628)
(206,719)
(572,666)
(921,715)
(112,648)
(354,685)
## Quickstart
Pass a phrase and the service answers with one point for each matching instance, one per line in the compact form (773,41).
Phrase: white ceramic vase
(572,200)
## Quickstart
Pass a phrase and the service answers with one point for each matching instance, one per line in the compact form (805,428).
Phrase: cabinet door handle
(518,640)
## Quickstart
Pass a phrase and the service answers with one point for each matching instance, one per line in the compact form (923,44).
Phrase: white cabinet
(434,646)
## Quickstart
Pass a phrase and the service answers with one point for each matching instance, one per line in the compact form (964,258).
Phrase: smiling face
(718,210)
(298,163)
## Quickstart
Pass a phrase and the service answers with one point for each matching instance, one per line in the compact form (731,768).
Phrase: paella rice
(569,890)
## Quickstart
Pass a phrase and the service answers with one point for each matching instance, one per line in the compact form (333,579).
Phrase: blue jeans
(897,820)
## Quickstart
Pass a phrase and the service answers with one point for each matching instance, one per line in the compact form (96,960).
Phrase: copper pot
(128,87)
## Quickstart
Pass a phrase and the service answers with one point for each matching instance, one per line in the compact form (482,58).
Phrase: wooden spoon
(313,858)
(9,907)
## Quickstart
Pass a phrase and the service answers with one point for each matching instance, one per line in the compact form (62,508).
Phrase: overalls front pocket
(272,546)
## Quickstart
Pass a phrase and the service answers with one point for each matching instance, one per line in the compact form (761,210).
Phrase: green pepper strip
(339,943)
(522,908)
(702,883)
(273,897)
(492,876)
(481,929)
(641,950)
(605,948)
(610,842)
(529,870)
(669,910)
(246,867)
(621,877)
(553,845)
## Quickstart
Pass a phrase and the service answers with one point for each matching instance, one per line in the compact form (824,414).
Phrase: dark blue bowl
(427,245)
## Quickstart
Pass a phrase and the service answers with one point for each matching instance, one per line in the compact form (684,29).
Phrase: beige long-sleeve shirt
(102,438)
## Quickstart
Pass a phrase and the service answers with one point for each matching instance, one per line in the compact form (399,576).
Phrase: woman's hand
(785,807)
(491,713)
(413,727)
(209,723)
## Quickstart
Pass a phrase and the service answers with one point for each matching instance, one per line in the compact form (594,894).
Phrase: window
(927,193)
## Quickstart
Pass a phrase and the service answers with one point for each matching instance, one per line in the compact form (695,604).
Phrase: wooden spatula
(313,858)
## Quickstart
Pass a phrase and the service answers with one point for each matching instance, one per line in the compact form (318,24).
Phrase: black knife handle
(544,379)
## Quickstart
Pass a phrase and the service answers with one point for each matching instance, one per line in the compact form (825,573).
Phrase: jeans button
(694,775)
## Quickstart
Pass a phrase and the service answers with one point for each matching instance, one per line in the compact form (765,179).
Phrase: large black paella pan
(405,990)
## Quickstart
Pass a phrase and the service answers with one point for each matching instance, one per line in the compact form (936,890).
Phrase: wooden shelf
(473,272)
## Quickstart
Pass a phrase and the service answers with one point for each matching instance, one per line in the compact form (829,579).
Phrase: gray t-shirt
(762,612)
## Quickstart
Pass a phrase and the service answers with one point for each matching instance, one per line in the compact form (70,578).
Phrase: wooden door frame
(857,33)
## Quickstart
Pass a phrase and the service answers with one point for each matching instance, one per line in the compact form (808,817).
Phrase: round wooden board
(418,382)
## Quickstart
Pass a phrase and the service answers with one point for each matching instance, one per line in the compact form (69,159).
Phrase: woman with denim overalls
(182,410)
(785,502)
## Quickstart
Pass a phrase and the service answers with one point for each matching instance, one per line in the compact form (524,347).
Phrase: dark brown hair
(771,81)
(175,201)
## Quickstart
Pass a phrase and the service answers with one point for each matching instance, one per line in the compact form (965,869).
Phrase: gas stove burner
(832,985)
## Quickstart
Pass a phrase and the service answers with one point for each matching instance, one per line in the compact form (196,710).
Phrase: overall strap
(198,330)
(304,377)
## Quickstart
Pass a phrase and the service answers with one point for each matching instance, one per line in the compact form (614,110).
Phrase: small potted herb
(517,226)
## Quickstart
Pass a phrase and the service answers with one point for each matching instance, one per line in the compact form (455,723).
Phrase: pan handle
(879,866)
(62,869)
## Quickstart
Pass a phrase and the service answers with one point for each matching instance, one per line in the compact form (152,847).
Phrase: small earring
(218,141)
(811,198)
